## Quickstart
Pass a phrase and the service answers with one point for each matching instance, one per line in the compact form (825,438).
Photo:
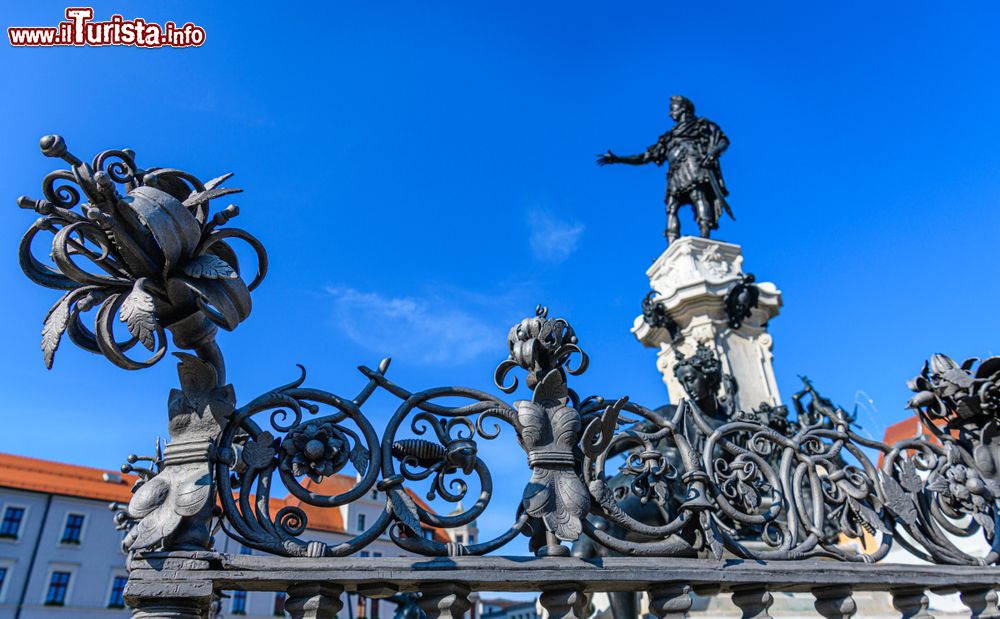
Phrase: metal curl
(291,520)
(500,375)
(63,196)
(236,233)
(110,348)
(122,171)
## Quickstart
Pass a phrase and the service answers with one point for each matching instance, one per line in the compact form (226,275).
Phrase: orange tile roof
(327,519)
(35,475)
(905,430)
(46,476)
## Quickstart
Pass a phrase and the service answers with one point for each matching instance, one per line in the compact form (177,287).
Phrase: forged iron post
(314,600)
(835,602)
(564,603)
(981,602)
(911,602)
(444,600)
(754,600)
(670,601)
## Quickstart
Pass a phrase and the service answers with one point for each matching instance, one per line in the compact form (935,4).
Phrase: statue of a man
(692,149)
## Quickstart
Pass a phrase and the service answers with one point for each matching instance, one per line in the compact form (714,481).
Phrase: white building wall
(92,564)
(98,558)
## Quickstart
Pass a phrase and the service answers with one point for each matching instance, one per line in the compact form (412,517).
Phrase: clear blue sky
(423,174)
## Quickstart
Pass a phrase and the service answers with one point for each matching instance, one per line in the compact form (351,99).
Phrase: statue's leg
(703,212)
(673,221)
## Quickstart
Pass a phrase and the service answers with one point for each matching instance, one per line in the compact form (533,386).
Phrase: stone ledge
(533,574)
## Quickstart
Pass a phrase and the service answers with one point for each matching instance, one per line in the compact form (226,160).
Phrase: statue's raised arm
(692,149)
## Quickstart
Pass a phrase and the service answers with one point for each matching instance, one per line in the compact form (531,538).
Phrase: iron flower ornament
(138,245)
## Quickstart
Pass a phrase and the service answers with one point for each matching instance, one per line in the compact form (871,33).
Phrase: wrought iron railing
(693,497)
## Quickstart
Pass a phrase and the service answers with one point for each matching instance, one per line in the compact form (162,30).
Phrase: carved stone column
(169,599)
(444,600)
(670,601)
(691,281)
(754,601)
(835,602)
(982,603)
(911,603)
(315,600)
(564,603)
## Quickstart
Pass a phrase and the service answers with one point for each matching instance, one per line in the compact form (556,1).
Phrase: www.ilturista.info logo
(79,30)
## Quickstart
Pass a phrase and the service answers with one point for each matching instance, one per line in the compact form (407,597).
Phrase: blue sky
(423,174)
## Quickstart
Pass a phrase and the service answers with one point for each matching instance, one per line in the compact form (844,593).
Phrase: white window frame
(59,567)
(111,587)
(24,521)
(7,564)
(83,529)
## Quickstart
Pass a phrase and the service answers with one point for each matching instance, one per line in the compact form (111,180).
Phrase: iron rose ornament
(138,245)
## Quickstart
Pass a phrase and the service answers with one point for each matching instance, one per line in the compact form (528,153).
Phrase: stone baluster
(835,602)
(670,601)
(314,600)
(982,602)
(564,603)
(911,602)
(444,600)
(753,600)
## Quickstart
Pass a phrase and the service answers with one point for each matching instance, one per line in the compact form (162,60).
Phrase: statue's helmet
(682,102)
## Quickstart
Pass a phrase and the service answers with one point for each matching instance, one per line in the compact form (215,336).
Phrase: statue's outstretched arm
(609,157)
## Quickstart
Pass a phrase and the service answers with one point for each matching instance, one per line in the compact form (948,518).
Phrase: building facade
(61,556)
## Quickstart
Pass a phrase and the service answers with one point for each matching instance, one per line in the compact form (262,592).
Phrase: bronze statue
(692,148)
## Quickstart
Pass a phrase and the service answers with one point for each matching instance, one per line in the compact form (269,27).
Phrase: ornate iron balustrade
(697,495)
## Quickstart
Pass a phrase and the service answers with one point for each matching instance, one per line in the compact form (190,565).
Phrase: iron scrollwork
(698,478)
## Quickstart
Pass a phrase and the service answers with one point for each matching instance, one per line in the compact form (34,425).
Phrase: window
(472,538)
(58,586)
(117,592)
(374,495)
(279,604)
(361,522)
(3,579)
(377,555)
(459,538)
(11,525)
(239,603)
(73,530)
(365,554)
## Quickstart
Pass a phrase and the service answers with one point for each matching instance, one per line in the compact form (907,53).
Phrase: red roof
(905,430)
(34,475)
(329,519)
(46,476)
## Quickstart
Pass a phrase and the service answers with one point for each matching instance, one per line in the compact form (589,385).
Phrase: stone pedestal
(691,281)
